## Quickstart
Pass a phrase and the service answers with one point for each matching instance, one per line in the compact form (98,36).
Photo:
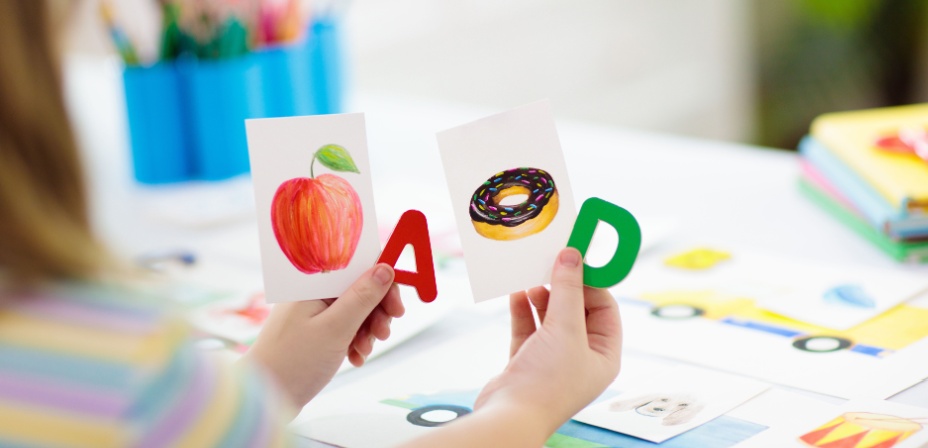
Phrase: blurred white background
(746,71)
(663,65)
(680,67)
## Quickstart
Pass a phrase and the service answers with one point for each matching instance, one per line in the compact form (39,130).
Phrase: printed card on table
(511,197)
(838,297)
(238,318)
(316,221)
(870,424)
(671,403)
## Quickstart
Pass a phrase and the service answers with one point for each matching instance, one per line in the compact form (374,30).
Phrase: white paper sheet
(711,318)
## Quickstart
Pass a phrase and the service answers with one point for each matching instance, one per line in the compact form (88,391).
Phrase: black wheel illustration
(821,344)
(419,416)
(677,311)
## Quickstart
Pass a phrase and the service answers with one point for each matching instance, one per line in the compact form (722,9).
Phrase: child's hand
(557,369)
(553,372)
(303,343)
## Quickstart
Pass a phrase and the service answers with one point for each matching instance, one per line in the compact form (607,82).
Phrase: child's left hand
(303,343)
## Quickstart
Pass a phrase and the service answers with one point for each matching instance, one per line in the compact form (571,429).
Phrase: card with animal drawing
(671,403)
(316,221)
(511,197)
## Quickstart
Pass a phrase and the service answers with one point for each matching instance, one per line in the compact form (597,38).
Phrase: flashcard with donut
(317,226)
(511,197)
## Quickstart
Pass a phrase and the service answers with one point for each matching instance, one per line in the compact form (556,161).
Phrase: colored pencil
(123,44)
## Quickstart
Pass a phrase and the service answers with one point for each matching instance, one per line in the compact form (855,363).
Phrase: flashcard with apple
(313,194)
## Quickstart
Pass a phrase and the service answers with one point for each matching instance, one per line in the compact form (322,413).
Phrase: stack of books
(869,169)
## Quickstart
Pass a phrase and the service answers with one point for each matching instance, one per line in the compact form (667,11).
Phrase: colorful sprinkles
(538,184)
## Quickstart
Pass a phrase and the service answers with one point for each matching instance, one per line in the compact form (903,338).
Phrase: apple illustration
(317,220)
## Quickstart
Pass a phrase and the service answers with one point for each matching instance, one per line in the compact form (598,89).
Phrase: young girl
(86,360)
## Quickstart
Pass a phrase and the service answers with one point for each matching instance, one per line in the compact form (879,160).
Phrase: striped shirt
(103,367)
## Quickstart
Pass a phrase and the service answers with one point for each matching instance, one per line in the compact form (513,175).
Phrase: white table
(735,194)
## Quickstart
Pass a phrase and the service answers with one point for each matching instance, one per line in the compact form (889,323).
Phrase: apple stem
(313,165)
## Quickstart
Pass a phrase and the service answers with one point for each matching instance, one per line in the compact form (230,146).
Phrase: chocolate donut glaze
(485,208)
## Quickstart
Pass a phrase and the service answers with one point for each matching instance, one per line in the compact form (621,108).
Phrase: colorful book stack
(869,169)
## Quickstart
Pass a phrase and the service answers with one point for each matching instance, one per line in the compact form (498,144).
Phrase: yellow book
(887,147)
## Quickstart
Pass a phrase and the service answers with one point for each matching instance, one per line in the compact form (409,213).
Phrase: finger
(379,324)
(565,302)
(363,342)
(355,358)
(351,309)
(393,303)
(523,322)
(603,323)
(303,309)
(539,297)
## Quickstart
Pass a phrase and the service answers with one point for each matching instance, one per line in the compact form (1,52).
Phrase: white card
(511,198)
(671,403)
(315,204)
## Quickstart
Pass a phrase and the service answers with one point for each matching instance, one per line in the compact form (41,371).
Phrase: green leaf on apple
(336,158)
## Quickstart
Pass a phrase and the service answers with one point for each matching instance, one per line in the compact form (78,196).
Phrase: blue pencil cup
(221,95)
(286,80)
(326,64)
(158,133)
(187,117)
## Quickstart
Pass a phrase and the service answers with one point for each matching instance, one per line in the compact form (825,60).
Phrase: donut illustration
(500,222)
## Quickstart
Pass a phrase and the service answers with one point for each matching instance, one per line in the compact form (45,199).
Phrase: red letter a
(412,228)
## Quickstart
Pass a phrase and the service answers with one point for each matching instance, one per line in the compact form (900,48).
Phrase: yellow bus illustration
(880,336)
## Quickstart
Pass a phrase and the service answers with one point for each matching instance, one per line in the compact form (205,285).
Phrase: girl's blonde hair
(45,231)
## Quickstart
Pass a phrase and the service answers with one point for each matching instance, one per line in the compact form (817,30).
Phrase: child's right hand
(557,369)
(553,372)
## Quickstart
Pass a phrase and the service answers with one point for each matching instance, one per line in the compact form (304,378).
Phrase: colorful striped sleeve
(92,370)
(199,399)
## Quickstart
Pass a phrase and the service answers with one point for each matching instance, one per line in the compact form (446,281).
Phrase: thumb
(565,303)
(350,310)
